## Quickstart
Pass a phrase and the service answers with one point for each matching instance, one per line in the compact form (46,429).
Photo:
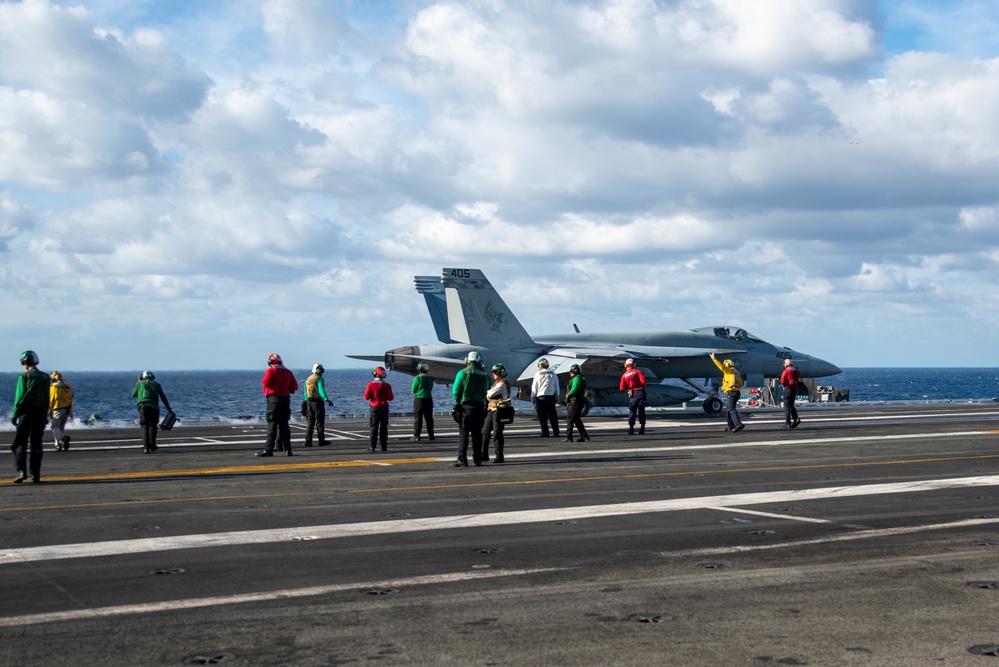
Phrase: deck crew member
(575,401)
(31,401)
(544,395)
(789,380)
(60,409)
(633,382)
(147,394)
(732,388)
(378,393)
(279,384)
(469,392)
(316,401)
(423,401)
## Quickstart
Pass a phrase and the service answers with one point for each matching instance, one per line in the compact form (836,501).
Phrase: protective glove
(14,420)
(329,402)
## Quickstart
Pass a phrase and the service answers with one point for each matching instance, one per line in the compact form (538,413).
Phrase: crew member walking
(147,394)
(423,401)
(378,393)
(544,395)
(60,409)
(498,394)
(31,400)
(633,382)
(469,392)
(732,388)
(279,384)
(316,401)
(575,401)
(789,380)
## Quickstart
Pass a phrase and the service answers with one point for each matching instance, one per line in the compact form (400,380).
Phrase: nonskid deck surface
(865,536)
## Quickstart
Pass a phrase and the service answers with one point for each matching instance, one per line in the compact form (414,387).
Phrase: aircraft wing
(610,360)
(379,358)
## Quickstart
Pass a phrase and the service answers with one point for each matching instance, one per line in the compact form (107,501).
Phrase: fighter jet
(469,314)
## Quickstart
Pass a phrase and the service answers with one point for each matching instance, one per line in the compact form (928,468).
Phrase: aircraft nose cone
(821,368)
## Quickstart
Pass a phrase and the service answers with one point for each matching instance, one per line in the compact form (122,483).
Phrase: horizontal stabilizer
(379,358)
(560,365)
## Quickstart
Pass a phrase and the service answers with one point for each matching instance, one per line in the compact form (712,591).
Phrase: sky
(194,185)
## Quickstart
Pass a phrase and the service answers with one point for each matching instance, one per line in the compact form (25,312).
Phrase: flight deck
(869,535)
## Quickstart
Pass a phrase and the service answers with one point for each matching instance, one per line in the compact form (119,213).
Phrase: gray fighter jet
(469,314)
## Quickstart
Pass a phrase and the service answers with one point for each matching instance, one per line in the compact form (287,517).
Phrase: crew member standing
(147,394)
(378,393)
(31,401)
(60,409)
(469,392)
(316,401)
(732,388)
(575,401)
(633,382)
(279,384)
(789,380)
(497,395)
(544,394)
(423,401)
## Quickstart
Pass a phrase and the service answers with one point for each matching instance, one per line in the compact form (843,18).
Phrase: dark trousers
(731,411)
(278,431)
(574,418)
(545,407)
(378,423)
(29,434)
(423,409)
(491,427)
(473,416)
(315,414)
(149,420)
(636,408)
(790,412)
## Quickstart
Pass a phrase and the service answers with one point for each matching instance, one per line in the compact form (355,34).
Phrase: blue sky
(196,185)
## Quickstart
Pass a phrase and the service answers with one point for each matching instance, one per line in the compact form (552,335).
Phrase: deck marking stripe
(194,603)
(771,515)
(547,515)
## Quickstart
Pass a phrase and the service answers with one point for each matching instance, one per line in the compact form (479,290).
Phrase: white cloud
(626,164)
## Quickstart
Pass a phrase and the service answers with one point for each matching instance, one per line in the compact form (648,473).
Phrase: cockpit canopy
(731,333)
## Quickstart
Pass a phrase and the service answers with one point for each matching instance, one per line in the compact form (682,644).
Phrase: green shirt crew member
(147,394)
(469,392)
(314,407)
(575,400)
(31,405)
(423,401)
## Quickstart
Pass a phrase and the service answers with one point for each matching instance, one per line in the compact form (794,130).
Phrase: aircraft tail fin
(433,292)
(476,313)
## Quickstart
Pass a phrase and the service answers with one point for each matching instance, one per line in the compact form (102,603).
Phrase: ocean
(237,395)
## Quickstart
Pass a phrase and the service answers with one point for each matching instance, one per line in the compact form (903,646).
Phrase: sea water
(238,395)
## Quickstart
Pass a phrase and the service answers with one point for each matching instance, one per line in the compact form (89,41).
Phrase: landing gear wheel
(713,405)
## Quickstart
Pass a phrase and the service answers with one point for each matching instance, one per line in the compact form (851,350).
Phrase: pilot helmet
(473,357)
(542,363)
(318,369)
(379,372)
(500,370)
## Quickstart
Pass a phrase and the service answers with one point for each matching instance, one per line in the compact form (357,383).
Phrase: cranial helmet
(500,369)
(422,367)
(147,375)
(29,358)
(542,363)
(473,357)
(728,363)
(56,376)
(379,372)
(574,369)
(318,368)
(788,362)
(629,363)
(274,359)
